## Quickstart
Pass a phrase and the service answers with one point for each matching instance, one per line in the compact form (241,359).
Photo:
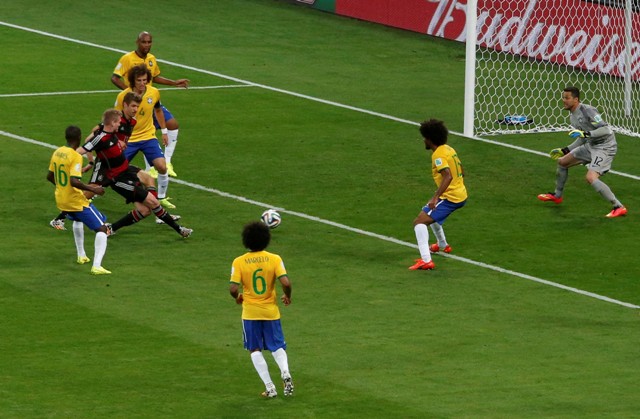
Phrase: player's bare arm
(178,83)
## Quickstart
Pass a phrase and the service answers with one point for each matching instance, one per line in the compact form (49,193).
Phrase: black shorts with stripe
(129,186)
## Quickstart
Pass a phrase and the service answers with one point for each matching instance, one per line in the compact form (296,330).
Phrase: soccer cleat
(421,265)
(165,203)
(82,260)
(99,270)
(269,393)
(110,230)
(175,218)
(57,224)
(550,197)
(288,385)
(185,232)
(170,170)
(617,212)
(153,173)
(434,248)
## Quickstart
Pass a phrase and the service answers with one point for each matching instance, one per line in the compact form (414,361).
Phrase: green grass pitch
(535,314)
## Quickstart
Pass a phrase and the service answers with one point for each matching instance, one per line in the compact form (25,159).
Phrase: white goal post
(521,54)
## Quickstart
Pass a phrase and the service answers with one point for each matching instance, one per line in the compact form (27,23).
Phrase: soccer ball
(271,218)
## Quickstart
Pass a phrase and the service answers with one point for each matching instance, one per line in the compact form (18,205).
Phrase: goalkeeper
(594,146)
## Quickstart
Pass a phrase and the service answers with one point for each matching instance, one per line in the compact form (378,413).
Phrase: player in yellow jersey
(256,272)
(450,194)
(142,55)
(143,138)
(65,172)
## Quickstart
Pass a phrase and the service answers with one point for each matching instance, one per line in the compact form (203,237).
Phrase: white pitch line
(88,92)
(352,108)
(363,232)
(290,93)
(403,243)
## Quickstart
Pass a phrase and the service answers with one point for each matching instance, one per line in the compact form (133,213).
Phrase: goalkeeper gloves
(576,133)
(556,153)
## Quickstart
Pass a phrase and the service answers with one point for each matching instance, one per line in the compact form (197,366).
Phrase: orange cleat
(549,197)
(434,248)
(421,265)
(617,212)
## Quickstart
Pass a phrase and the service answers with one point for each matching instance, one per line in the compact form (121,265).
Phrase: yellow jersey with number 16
(65,164)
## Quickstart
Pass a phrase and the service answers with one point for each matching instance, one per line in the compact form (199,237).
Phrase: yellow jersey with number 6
(446,157)
(257,272)
(65,164)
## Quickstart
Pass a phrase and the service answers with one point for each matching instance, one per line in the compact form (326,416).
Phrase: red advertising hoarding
(578,33)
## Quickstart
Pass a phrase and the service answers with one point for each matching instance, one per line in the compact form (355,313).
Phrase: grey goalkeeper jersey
(587,118)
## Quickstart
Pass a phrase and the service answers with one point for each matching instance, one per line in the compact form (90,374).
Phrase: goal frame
(530,123)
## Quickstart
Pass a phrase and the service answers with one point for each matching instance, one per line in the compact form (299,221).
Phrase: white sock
(422,236)
(261,366)
(147,166)
(171,147)
(163,185)
(281,359)
(78,236)
(100,245)
(439,233)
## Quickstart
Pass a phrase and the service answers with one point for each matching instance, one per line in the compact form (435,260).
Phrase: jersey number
(259,283)
(459,169)
(61,176)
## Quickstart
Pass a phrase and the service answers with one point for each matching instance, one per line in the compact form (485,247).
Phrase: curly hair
(137,71)
(435,131)
(256,236)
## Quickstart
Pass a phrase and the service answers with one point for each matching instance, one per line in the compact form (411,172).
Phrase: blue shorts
(167,116)
(263,334)
(89,216)
(150,148)
(443,209)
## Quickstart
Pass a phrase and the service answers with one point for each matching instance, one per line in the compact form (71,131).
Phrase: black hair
(575,92)
(256,236)
(72,133)
(435,131)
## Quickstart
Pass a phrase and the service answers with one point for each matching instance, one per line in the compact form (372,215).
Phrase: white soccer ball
(271,218)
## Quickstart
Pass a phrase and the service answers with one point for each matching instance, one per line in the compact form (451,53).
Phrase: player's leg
(154,205)
(601,164)
(148,182)
(95,220)
(441,241)
(252,333)
(274,340)
(172,132)
(153,153)
(422,237)
(78,237)
(128,186)
(579,155)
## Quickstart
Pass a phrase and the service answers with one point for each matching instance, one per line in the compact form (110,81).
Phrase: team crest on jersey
(438,162)
(149,100)
(150,63)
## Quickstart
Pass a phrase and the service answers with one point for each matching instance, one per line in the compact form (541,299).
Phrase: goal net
(522,53)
